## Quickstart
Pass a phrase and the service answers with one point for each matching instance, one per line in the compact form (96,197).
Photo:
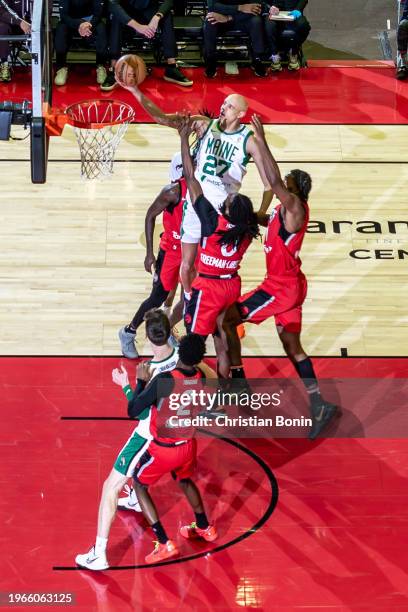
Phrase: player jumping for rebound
(283,291)
(166,274)
(226,235)
(224,152)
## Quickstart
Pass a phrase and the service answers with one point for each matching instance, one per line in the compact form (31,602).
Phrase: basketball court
(318,525)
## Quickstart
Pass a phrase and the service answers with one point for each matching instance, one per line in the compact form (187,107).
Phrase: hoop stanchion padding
(99,127)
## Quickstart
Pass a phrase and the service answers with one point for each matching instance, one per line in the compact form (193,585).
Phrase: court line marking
(267,514)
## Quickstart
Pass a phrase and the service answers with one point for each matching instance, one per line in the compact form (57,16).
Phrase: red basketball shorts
(167,269)
(178,459)
(209,298)
(282,300)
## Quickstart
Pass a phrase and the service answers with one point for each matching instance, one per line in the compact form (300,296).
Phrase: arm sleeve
(140,401)
(207,214)
(157,388)
(128,391)
(97,12)
(165,7)
(7,15)
(118,12)
(228,7)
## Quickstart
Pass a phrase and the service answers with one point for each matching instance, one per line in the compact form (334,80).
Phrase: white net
(99,127)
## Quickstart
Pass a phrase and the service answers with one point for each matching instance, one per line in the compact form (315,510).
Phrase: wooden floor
(71,260)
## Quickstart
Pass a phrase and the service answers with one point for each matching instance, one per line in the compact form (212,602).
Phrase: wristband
(127,390)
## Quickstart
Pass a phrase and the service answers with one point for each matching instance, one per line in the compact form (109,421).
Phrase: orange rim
(78,113)
(97,114)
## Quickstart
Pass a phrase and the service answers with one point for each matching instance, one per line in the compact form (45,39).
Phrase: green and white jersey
(222,161)
(157,367)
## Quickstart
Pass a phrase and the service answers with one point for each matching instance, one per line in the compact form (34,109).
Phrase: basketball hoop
(99,126)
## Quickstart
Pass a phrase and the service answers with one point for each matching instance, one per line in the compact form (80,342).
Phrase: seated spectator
(402,42)
(14,19)
(285,36)
(230,15)
(146,17)
(85,18)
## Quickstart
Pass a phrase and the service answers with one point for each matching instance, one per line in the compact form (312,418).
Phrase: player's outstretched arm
(289,200)
(193,186)
(254,151)
(168,195)
(168,119)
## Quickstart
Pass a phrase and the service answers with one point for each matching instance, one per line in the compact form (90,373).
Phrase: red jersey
(182,384)
(220,260)
(170,239)
(282,248)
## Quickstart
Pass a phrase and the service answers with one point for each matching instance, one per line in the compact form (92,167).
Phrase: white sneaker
(92,561)
(130,502)
(101,74)
(61,76)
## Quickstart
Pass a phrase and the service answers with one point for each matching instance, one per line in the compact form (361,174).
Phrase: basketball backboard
(41,63)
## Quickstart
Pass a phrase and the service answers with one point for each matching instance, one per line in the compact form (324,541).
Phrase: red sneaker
(162,552)
(241,331)
(191,532)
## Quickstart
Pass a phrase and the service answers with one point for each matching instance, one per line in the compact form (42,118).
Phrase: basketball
(130,70)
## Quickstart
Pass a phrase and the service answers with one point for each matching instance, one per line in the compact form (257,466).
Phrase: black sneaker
(321,417)
(109,83)
(174,75)
(258,68)
(210,69)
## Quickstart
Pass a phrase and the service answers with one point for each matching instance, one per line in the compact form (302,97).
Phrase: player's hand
(120,377)
(251,9)
(150,263)
(25,26)
(85,29)
(257,126)
(143,371)
(213,17)
(184,125)
(273,11)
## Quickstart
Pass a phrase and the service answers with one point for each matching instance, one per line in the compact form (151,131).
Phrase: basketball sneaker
(174,75)
(321,417)
(127,344)
(192,532)
(162,552)
(5,72)
(109,82)
(61,76)
(130,501)
(92,561)
(101,74)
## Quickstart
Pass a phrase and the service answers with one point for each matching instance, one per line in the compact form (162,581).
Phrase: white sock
(100,545)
